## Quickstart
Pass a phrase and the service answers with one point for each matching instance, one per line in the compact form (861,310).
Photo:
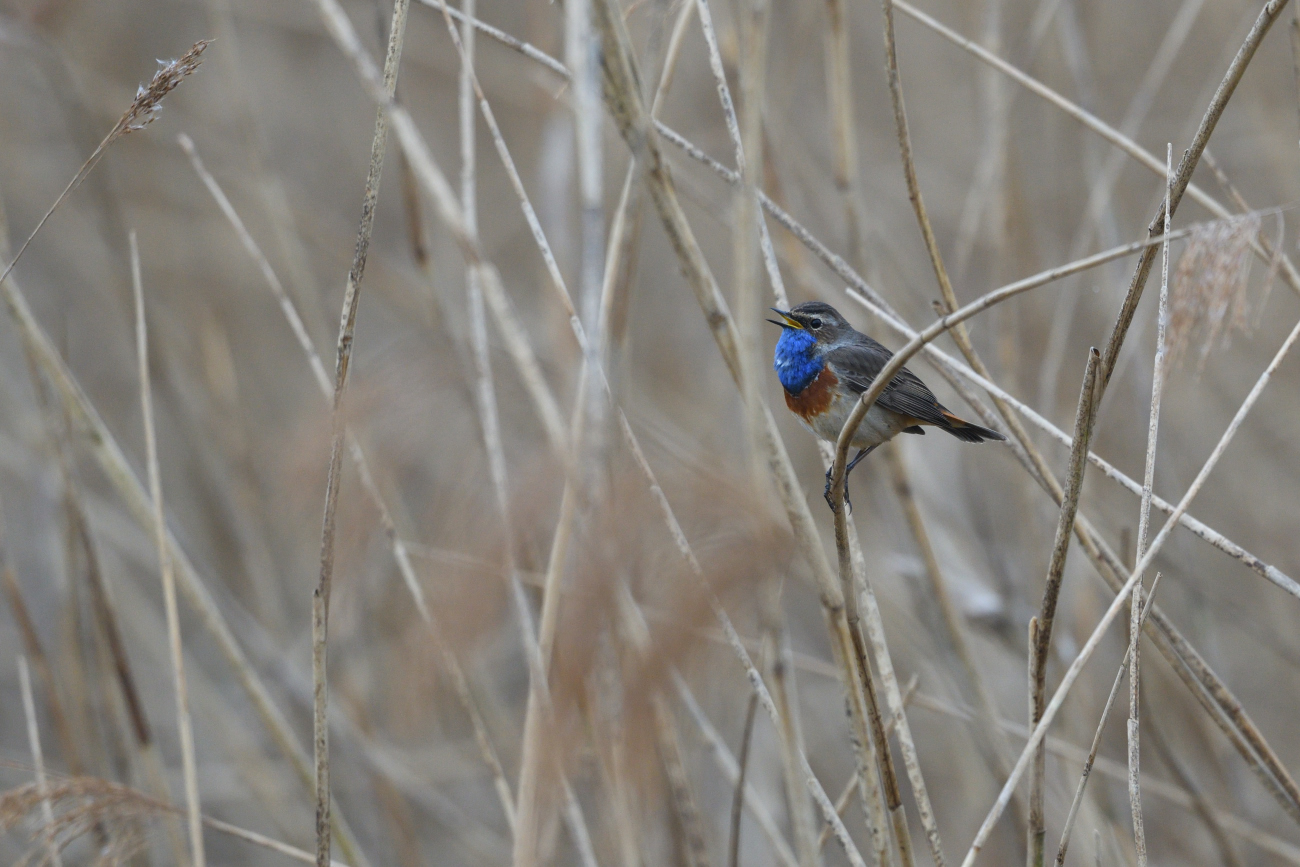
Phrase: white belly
(880,425)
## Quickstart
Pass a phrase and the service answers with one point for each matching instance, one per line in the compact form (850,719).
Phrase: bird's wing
(859,363)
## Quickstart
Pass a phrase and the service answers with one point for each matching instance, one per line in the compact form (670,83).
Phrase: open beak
(789,322)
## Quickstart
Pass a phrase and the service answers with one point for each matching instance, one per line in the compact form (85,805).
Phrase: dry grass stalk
(175,648)
(839,90)
(1183,177)
(1096,738)
(1102,187)
(679,784)
(142,111)
(997,750)
(1085,653)
(1041,632)
(875,631)
(38,759)
(733,849)
(1091,121)
(347,327)
(1173,794)
(33,650)
(1144,525)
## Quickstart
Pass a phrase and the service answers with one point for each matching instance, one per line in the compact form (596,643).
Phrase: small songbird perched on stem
(825,365)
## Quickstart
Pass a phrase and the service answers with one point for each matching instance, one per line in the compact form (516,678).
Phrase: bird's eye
(815,324)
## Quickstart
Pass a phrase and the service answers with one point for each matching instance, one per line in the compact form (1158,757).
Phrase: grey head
(820,320)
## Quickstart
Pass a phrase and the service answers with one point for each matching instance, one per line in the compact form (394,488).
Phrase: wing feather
(859,363)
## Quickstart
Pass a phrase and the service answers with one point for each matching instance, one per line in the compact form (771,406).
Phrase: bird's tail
(968,432)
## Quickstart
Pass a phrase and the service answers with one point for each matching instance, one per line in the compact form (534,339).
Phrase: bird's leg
(862,453)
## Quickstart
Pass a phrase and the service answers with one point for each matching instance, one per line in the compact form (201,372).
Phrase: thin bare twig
(1106,131)
(1096,739)
(737,800)
(144,109)
(1042,642)
(1085,653)
(1144,524)
(38,761)
(189,767)
(343,363)
(997,748)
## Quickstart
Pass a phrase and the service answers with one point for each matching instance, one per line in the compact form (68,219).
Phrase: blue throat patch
(797,362)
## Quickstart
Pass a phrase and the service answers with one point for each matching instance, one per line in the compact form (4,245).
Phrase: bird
(825,364)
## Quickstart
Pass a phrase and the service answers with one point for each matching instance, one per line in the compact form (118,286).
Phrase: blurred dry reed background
(574,586)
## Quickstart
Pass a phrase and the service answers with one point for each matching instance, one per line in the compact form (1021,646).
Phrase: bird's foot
(830,501)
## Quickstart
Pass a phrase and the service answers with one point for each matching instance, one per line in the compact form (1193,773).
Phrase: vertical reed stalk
(184,726)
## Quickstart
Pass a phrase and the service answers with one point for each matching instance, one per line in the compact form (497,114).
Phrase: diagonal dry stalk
(38,761)
(997,749)
(1173,794)
(184,726)
(1096,738)
(737,801)
(1102,186)
(144,109)
(1121,597)
(1041,627)
(1106,131)
(1176,188)
(343,362)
